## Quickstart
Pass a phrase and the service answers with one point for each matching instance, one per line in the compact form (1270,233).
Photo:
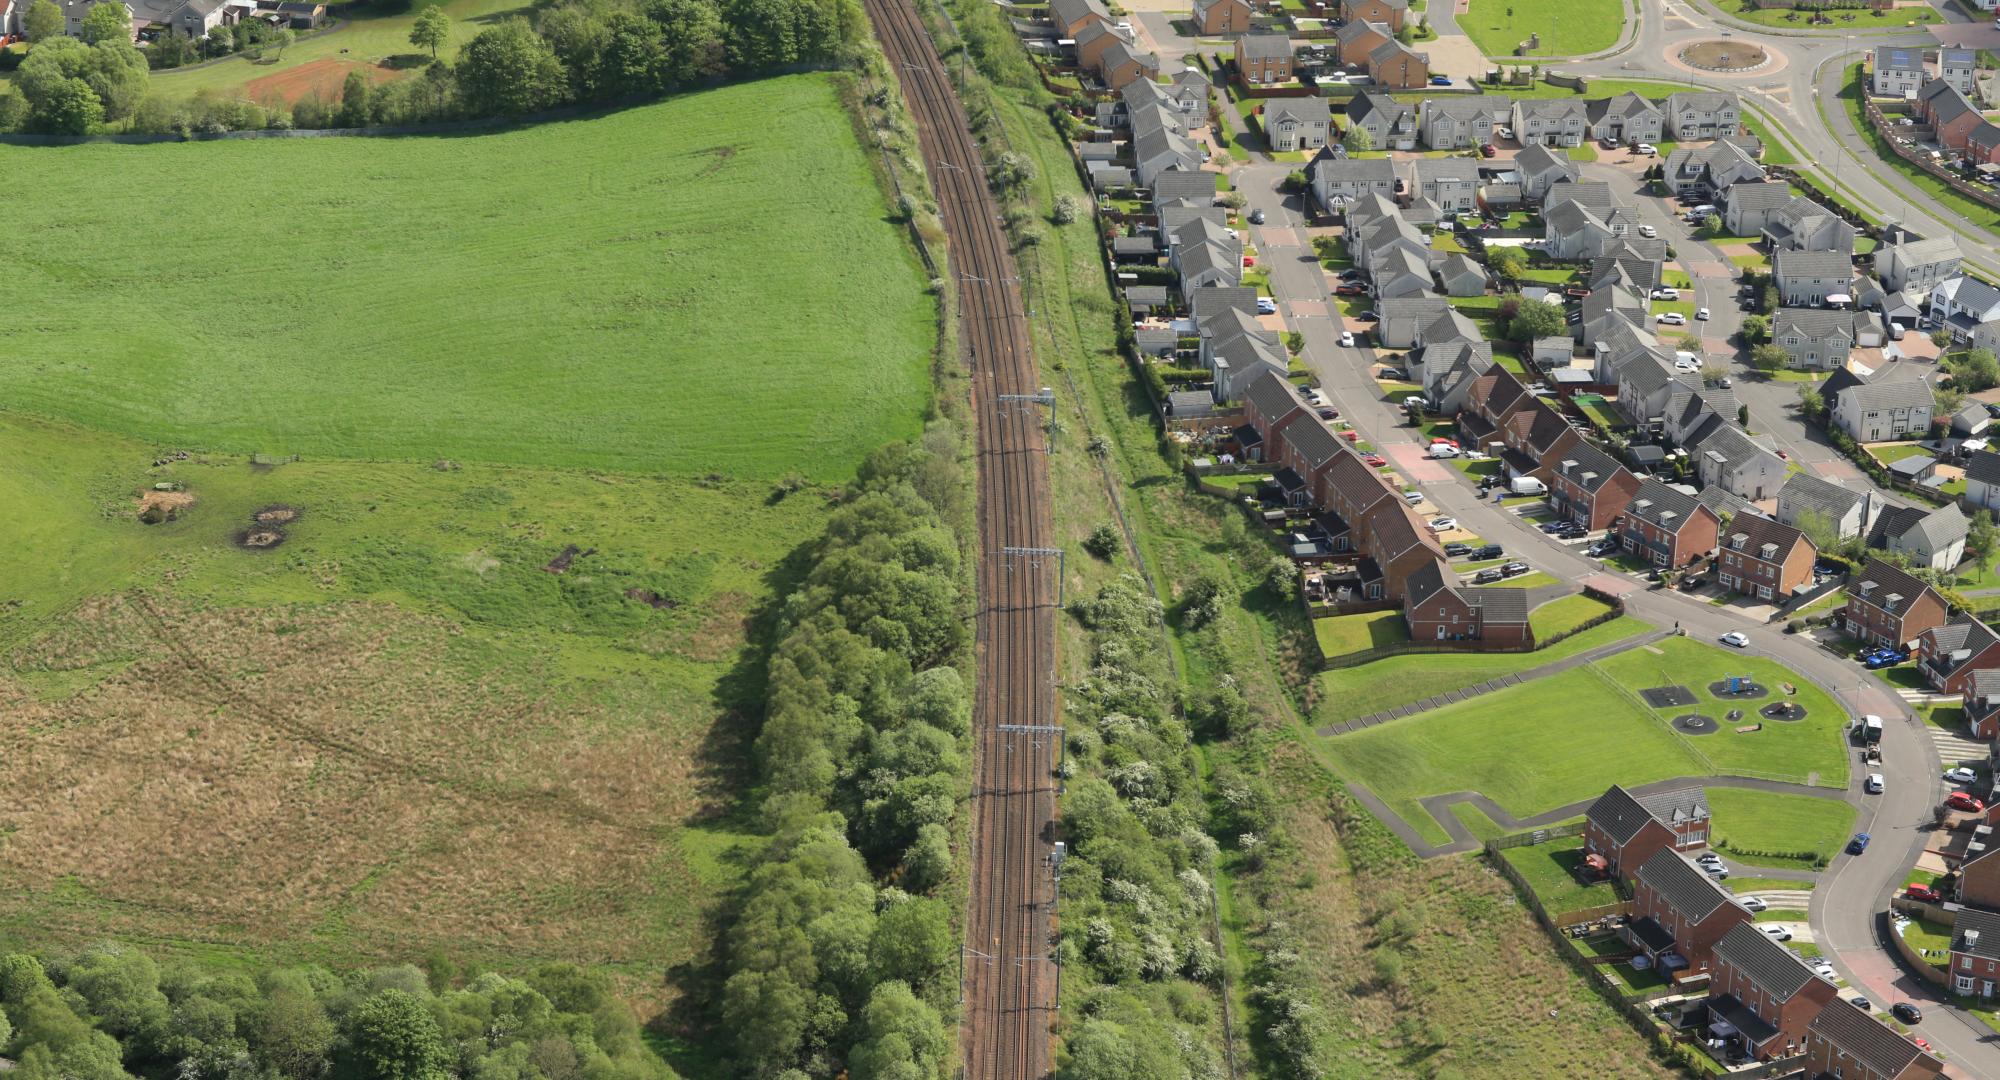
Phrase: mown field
(666,289)
(487,696)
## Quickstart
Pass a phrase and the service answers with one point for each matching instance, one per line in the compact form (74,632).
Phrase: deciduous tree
(431,30)
(44,20)
(510,70)
(107,21)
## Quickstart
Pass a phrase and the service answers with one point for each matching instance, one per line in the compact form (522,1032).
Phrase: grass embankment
(528,297)
(1976,213)
(1565,615)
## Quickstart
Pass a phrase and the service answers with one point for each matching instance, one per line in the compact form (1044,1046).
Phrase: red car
(1441,440)
(1959,800)
(1918,891)
(1488,150)
(1351,436)
(1375,461)
(1352,288)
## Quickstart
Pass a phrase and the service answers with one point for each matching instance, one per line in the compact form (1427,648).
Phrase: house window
(1965,984)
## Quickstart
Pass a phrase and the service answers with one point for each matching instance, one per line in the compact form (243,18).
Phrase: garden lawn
(626,292)
(1550,871)
(1764,821)
(1567,27)
(1894,452)
(1530,748)
(1343,634)
(1564,615)
(1810,748)
(1351,693)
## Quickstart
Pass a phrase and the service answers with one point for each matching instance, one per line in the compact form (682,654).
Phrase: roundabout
(1730,57)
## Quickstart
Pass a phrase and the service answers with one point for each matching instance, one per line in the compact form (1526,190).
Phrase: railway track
(1009,981)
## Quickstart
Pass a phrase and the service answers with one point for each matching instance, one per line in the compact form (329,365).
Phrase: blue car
(1858,845)
(1440,80)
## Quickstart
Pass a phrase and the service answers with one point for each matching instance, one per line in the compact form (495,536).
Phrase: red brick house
(1533,433)
(1355,492)
(1766,993)
(1982,709)
(1886,606)
(1975,952)
(1071,16)
(1764,558)
(1626,830)
(1395,66)
(1678,914)
(1091,43)
(1589,487)
(1124,64)
(1842,1041)
(1397,541)
(1954,116)
(1222,16)
(1305,449)
(1667,528)
(1949,654)
(1358,39)
(1390,13)
(1979,879)
(1268,405)
(1438,608)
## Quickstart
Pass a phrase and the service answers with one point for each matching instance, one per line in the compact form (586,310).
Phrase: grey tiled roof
(1890,394)
(1757,532)
(1888,580)
(1961,639)
(1587,467)
(1831,264)
(1984,467)
(1872,1044)
(1683,887)
(1274,398)
(1620,814)
(1758,195)
(1767,964)
(1499,606)
(1658,504)
(1265,46)
(1809,492)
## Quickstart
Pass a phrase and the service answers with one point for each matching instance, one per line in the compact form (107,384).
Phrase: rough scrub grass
(706,285)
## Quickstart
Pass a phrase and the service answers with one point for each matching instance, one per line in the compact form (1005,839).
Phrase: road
(1854,888)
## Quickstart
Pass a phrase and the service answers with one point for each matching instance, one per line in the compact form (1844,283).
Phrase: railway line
(1009,981)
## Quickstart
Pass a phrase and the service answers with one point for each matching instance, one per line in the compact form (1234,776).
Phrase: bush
(1103,541)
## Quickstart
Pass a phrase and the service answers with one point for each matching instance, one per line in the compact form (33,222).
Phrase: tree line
(567,52)
(841,958)
(111,1012)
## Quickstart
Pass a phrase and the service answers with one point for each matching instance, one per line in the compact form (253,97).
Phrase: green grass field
(1351,693)
(1343,634)
(1864,22)
(1564,615)
(1551,872)
(628,292)
(1766,821)
(1567,27)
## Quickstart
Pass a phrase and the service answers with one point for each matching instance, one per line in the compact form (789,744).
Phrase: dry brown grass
(335,774)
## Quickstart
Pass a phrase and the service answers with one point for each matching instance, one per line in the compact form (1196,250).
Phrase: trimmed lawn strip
(1567,27)
(1343,634)
(1351,693)
(1768,821)
(1563,615)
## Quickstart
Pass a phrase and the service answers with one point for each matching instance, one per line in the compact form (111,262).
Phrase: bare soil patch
(277,514)
(158,506)
(570,554)
(322,78)
(259,537)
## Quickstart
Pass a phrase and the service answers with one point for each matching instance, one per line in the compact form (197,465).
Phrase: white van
(1443,450)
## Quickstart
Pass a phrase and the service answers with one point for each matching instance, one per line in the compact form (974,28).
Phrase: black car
(1489,551)
(1369,316)
(1353,273)
(1256,217)
(1455,549)
(1487,576)
(1514,569)
(1906,1012)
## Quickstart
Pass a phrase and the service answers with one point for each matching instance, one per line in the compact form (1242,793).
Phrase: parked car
(1701,314)
(1602,548)
(1776,933)
(1960,775)
(1486,577)
(1960,800)
(1347,339)
(1444,440)
(1443,524)
(1457,548)
(1375,461)
(1488,150)
(1440,80)
(1351,288)
(1442,450)
(1648,231)
(1370,316)
(1645,150)
(1266,306)
(1506,133)
(1489,551)
(1873,785)
(1328,412)
(1907,1012)
(1736,639)
(1919,891)
(1666,292)
(1256,217)
(1413,497)
(1754,903)
(1351,435)
(1353,273)
(1862,1003)
(1671,318)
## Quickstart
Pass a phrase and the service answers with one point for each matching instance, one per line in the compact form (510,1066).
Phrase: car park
(1960,775)
(1859,844)
(1736,639)
(1907,1012)
(1960,800)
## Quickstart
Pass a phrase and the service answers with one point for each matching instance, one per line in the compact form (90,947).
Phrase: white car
(1686,366)
(1347,339)
(1506,133)
(1701,313)
(1266,306)
(1666,292)
(1873,785)
(1648,231)
(1413,497)
(1776,933)
(1671,318)
(1443,524)
(1960,775)
(1736,639)
(1754,903)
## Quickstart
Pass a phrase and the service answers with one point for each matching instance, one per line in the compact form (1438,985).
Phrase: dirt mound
(570,554)
(322,78)
(277,514)
(158,506)
(260,537)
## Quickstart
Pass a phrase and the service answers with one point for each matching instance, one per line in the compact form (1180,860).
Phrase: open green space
(1339,635)
(625,292)
(1350,693)
(1567,27)
(1563,615)
(1862,21)
(1550,871)
(1806,751)
(1749,822)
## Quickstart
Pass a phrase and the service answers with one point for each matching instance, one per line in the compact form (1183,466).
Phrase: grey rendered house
(1297,123)
(1626,119)
(1918,264)
(1815,339)
(1390,124)
(1703,114)
(1460,123)
(1963,304)
(1804,225)
(1451,183)
(1933,538)
(1850,511)
(1539,168)
(1886,410)
(1710,169)
(1899,71)
(1338,182)
(1460,275)
(1747,207)
(1982,480)
(1725,457)
(1807,278)
(1549,122)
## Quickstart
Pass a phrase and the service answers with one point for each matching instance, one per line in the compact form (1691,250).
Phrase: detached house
(1549,122)
(1459,123)
(1963,305)
(1340,181)
(1764,558)
(1395,66)
(1886,606)
(1710,170)
(1623,831)
(1214,17)
(1814,339)
(1540,168)
(1679,914)
(1589,487)
(1765,992)
(1390,124)
(1808,278)
(1264,58)
(1390,13)
(1703,115)
(1356,39)
(1933,539)
(1667,528)
(1748,205)
(1982,718)
(1899,71)
(1845,1042)
(1887,409)
(1804,225)
(1979,874)
(1451,183)
(1437,608)
(1124,64)
(1975,952)
(1626,119)
(1727,458)
(1982,480)
(1297,123)
(1806,499)
(1921,265)
(1948,655)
